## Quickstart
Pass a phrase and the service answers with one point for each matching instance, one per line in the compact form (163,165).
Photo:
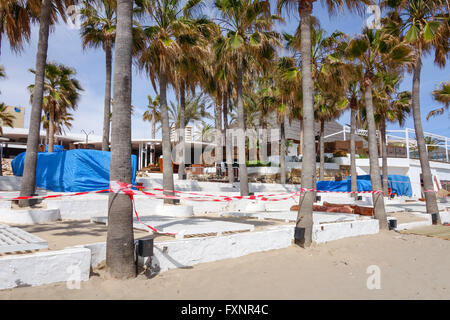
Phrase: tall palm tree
(48,15)
(442,95)
(392,106)
(194,43)
(159,59)
(61,93)
(250,41)
(304,9)
(153,115)
(354,92)
(376,51)
(99,29)
(120,238)
(289,83)
(424,24)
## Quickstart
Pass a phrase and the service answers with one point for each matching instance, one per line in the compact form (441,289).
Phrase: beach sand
(411,267)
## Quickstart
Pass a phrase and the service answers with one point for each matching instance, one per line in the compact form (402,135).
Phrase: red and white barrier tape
(124,188)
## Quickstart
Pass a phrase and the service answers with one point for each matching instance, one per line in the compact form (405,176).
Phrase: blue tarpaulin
(56,148)
(400,185)
(72,171)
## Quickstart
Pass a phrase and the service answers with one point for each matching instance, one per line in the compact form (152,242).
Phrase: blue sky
(65,47)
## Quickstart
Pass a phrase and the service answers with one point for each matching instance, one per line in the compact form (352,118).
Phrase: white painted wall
(44,267)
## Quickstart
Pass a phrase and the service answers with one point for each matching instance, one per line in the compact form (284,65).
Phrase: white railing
(403,135)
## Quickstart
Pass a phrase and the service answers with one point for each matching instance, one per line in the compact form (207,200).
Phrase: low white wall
(188,252)
(82,209)
(31,216)
(334,231)
(445,217)
(10,183)
(44,267)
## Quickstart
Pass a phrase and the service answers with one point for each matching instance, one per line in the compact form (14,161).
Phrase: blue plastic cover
(401,185)
(76,170)
(56,148)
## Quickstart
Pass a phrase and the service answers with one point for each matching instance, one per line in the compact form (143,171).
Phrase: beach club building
(403,157)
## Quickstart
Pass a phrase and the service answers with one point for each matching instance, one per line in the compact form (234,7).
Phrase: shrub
(339,153)
(257,164)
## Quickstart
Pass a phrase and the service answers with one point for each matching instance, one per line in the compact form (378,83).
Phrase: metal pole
(446,150)
(343,127)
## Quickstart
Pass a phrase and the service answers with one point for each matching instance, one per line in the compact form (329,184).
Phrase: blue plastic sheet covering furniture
(76,170)
(400,185)
(56,148)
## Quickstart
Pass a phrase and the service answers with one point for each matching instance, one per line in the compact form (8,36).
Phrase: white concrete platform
(289,216)
(15,239)
(180,210)
(29,216)
(185,227)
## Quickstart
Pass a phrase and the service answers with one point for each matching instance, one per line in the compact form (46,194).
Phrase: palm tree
(288,81)
(194,43)
(16,17)
(152,114)
(195,110)
(99,29)
(392,106)
(328,107)
(442,95)
(61,122)
(61,93)
(159,59)
(354,92)
(249,41)
(424,24)
(120,238)
(48,15)
(304,9)
(6,119)
(376,51)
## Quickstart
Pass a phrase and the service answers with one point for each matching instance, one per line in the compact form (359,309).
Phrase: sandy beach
(411,267)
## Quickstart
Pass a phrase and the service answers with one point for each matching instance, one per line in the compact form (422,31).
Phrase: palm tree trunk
(219,145)
(283,150)
(304,217)
(378,199)
(384,156)
(262,139)
(354,181)
(51,126)
(243,178)
(166,147)
(153,136)
(107,107)
(181,165)
(300,146)
(322,150)
(120,238)
(430,195)
(228,150)
(28,185)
